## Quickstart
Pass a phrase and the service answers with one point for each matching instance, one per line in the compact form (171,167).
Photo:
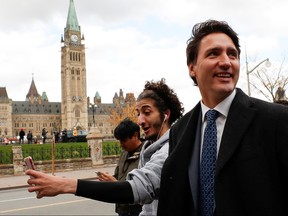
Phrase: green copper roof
(72,22)
(44,96)
(97,95)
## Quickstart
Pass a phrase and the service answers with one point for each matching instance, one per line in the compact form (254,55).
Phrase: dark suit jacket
(252,164)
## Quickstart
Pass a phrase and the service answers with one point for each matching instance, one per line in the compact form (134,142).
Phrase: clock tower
(74,111)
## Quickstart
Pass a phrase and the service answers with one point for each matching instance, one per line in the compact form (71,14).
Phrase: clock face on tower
(74,38)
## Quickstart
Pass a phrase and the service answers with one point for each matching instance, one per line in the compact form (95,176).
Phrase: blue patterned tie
(208,165)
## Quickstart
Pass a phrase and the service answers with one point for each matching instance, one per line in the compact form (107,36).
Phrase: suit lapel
(238,120)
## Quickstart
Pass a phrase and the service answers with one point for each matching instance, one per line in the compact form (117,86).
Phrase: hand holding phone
(29,163)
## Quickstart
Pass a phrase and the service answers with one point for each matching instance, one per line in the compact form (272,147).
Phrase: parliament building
(75,109)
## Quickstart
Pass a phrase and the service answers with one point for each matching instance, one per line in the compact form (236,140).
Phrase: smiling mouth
(223,75)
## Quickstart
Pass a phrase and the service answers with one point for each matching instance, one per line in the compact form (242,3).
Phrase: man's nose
(140,120)
(224,61)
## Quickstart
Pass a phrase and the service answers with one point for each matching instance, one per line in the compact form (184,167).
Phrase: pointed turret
(44,97)
(72,21)
(97,98)
(33,94)
(3,93)
(121,97)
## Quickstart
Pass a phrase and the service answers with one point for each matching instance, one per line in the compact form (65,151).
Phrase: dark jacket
(252,164)
(125,164)
(22,134)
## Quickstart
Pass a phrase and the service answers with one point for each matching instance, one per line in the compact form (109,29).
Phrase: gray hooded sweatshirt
(145,181)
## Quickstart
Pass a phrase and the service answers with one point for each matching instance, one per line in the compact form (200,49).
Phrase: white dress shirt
(223,109)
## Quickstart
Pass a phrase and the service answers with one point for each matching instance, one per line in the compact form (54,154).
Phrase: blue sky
(129,42)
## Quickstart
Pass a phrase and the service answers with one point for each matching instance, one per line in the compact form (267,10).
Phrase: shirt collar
(223,107)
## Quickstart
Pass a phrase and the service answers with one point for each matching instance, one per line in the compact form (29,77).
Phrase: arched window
(77,113)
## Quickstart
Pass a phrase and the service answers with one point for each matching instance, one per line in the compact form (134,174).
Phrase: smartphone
(29,163)
(97,172)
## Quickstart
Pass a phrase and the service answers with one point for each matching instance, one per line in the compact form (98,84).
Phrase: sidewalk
(10,182)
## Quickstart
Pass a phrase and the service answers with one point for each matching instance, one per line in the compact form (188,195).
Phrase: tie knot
(211,115)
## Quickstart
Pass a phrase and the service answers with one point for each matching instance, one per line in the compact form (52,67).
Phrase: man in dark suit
(250,176)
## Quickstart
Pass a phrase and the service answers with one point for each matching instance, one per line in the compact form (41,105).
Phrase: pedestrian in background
(128,133)
(75,134)
(21,136)
(56,136)
(29,137)
(64,136)
(44,135)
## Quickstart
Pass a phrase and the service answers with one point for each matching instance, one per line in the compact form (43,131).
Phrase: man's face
(148,118)
(216,68)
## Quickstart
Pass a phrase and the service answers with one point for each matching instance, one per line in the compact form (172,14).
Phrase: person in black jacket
(251,171)
(21,136)
(128,133)
(44,135)
(29,137)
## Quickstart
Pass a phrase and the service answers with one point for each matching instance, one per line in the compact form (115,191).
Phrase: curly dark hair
(200,30)
(165,99)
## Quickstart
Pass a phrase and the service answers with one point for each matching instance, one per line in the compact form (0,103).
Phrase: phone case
(29,163)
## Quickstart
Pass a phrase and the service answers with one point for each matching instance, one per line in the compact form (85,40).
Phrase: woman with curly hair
(158,107)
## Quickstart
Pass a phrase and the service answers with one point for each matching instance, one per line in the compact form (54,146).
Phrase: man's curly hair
(165,99)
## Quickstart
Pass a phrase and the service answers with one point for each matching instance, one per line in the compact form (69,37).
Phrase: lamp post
(267,64)
(94,140)
(93,112)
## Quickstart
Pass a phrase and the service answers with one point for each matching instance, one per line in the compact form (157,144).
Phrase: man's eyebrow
(219,48)
(144,107)
(212,49)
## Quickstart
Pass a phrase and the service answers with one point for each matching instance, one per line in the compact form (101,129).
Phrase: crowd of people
(30,138)
(227,156)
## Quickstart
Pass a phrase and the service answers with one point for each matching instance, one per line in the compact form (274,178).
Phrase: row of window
(5,131)
(36,105)
(37,111)
(3,108)
(75,56)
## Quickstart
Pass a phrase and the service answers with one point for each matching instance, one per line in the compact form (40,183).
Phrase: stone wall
(60,165)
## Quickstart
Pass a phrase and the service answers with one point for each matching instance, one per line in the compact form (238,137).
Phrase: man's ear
(191,68)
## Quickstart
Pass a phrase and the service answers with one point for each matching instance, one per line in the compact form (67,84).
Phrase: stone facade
(37,112)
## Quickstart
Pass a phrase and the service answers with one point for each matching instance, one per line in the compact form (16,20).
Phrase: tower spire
(72,21)
(33,94)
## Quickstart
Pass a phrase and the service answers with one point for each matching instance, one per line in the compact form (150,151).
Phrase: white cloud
(128,41)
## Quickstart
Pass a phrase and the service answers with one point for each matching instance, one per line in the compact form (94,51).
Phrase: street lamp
(93,112)
(267,64)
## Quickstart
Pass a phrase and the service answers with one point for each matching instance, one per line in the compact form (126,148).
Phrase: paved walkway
(9,182)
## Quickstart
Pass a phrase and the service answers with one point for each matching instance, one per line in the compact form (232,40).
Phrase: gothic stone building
(36,113)
(74,110)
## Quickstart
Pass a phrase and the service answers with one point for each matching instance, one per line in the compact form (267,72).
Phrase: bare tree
(272,82)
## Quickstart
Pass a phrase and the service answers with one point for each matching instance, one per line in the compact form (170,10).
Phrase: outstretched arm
(48,185)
